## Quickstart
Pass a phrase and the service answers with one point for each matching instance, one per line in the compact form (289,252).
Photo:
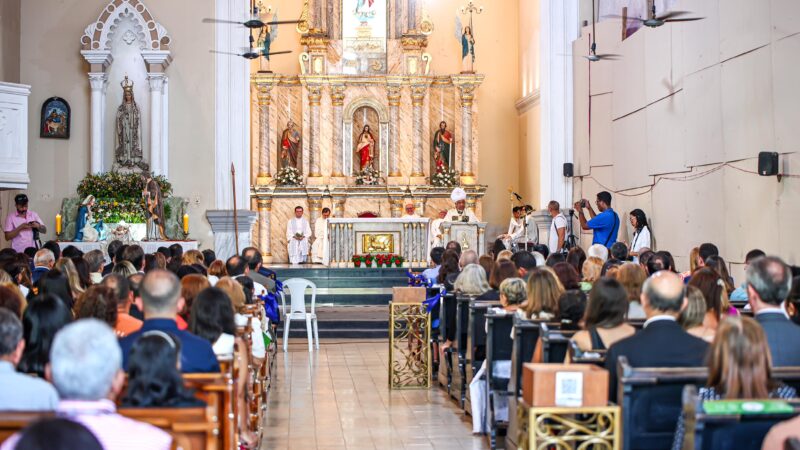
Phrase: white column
(232,108)
(559,27)
(97,82)
(156,81)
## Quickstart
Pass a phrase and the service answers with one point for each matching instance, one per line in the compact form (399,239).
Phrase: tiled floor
(338,398)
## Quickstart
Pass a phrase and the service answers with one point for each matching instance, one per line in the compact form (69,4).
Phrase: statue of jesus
(365,147)
(129,142)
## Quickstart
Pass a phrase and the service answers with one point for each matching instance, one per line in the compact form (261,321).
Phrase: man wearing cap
(460,213)
(21,223)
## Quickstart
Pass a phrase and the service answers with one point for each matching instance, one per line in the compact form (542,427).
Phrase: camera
(585,203)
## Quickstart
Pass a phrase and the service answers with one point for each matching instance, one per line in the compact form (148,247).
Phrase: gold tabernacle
(377,243)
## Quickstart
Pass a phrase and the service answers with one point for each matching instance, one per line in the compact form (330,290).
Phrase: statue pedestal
(264,180)
(225,232)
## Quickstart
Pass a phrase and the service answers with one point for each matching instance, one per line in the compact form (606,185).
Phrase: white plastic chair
(297,290)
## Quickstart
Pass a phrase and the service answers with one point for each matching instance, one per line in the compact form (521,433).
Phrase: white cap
(458,194)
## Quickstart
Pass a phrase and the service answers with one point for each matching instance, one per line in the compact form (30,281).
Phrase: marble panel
(703,124)
(334,56)
(629,77)
(786,93)
(405,143)
(394,57)
(747,124)
(666,150)
(744,25)
(601,138)
(701,40)
(630,155)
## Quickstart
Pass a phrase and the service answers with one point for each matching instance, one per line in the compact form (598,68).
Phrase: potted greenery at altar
(119,203)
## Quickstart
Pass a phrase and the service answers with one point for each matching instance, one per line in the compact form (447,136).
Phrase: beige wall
(51,63)
(497,56)
(684,100)
(529,116)
(9,40)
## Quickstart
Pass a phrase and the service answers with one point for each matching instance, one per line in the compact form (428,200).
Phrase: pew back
(498,349)
(555,343)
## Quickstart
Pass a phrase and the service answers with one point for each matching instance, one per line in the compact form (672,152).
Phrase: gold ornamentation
(264,94)
(409,352)
(314,94)
(418,95)
(264,204)
(393,94)
(377,243)
(427,58)
(302,27)
(414,42)
(303,58)
(376,65)
(582,427)
(337,95)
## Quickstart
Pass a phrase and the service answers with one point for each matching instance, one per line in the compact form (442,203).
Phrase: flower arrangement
(380,259)
(118,196)
(445,177)
(289,176)
(368,177)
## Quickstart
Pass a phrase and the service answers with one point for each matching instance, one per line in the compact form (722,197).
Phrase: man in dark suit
(113,247)
(769,280)
(662,342)
(161,295)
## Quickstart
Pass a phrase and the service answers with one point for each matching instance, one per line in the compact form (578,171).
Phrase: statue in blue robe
(85,228)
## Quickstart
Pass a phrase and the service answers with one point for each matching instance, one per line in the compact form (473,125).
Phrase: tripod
(571,240)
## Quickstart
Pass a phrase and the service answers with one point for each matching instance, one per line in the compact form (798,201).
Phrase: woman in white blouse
(641,233)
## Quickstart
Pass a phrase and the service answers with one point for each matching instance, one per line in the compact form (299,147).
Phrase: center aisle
(338,398)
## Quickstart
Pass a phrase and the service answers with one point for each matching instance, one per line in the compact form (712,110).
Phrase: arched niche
(126,29)
(349,134)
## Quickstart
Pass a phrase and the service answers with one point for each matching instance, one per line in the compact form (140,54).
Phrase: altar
(405,237)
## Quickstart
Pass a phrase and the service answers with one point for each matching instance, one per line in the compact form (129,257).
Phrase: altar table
(355,236)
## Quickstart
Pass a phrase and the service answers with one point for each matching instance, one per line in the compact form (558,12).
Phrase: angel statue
(464,35)
(154,210)
(129,130)
(86,230)
(266,37)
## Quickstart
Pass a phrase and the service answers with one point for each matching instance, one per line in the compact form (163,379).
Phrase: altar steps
(345,322)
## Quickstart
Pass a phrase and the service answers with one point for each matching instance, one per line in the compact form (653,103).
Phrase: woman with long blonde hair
(67,267)
(739,368)
(544,290)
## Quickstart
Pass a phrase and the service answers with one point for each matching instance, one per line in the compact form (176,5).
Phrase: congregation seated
(631,276)
(448,273)
(693,315)
(236,295)
(472,282)
(86,371)
(125,298)
(43,262)
(431,274)
(57,433)
(768,284)
(55,283)
(11,298)
(501,271)
(604,322)
(19,391)
(98,302)
(44,317)
(212,320)
(160,291)
(592,268)
(544,291)
(154,377)
(738,368)
(662,342)
(191,286)
(525,263)
(255,264)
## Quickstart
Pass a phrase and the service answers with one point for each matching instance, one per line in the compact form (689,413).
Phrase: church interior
(505,224)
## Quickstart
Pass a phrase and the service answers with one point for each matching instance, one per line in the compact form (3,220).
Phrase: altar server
(460,213)
(297,233)
(436,230)
(515,228)
(411,212)
(320,245)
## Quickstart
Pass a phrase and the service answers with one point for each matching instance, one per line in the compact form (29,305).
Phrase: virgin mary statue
(128,130)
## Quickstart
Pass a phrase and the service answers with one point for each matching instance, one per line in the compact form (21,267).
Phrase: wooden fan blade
(608,55)
(230,22)
(280,52)
(688,19)
(671,14)
(282,22)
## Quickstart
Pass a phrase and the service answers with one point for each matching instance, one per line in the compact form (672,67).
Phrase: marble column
(264,132)
(467,94)
(393,96)
(396,207)
(156,81)
(315,210)
(264,210)
(417,98)
(314,96)
(337,101)
(338,206)
(419,204)
(98,82)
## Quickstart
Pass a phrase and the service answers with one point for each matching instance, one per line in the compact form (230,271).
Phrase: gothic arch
(150,34)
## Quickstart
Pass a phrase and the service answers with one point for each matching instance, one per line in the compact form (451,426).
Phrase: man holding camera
(21,225)
(605,225)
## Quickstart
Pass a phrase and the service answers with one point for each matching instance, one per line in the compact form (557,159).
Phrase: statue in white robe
(298,231)
(320,246)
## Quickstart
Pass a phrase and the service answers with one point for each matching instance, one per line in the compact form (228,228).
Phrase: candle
(185,224)
(58,223)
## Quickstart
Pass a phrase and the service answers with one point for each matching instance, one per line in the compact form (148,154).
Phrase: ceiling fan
(593,56)
(255,23)
(654,21)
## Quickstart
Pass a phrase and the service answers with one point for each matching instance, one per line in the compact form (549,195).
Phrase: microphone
(517,196)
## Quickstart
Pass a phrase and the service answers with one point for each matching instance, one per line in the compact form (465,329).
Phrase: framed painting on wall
(55,119)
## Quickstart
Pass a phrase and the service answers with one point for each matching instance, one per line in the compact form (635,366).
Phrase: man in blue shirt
(605,225)
(433,273)
(161,294)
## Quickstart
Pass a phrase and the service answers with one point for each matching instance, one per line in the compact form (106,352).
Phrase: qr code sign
(569,389)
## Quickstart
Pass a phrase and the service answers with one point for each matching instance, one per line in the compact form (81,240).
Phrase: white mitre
(458,194)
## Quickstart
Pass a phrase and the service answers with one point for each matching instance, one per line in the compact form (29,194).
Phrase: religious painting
(290,147)
(442,149)
(55,119)
(366,139)
(364,27)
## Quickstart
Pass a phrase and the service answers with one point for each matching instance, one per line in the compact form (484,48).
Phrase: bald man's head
(160,291)
(663,292)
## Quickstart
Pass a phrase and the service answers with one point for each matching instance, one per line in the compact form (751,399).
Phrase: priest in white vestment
(436,230)
(320,245)
(297,233)
(460,213)
(410,212)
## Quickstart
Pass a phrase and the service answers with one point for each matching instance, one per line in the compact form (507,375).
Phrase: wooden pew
(526,333)
(498,348)
(577,356)
(191,428)
(459,382)
(555,343)
(217,390)
(13,421)
(476,343)
(447,322)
